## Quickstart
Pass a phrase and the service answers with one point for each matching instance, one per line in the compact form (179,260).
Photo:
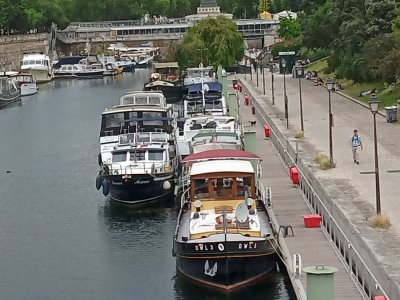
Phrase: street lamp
(256,70)
(271,68)
(263,74)
(300,72)
(329,86)
(283,63)
(374,106)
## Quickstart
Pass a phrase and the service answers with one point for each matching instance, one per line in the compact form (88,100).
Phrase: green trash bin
(320,282)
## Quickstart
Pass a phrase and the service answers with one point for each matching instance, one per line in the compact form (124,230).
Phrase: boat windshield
(222,187)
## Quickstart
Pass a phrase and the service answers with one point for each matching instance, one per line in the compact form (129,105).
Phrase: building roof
(221,154)
(217,166)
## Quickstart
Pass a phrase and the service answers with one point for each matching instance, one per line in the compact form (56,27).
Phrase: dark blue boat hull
(139,188)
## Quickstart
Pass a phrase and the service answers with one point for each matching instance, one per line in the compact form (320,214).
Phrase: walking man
(356,145)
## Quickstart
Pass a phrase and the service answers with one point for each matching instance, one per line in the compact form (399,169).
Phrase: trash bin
(320,282)
(391,114)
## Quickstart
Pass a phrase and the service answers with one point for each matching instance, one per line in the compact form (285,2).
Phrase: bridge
(161,33)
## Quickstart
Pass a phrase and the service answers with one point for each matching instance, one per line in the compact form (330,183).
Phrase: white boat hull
(41,75)
(28,89)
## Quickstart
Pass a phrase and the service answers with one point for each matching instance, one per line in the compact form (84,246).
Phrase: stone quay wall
(13,47)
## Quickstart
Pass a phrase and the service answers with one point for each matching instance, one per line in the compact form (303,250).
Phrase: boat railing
(143,138)
(332,225)
(142,167)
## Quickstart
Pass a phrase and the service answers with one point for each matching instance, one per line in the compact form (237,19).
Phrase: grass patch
(299,134)
(323,161)
(387,95)
(380,221)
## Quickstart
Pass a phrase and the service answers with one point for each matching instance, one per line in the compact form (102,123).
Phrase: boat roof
(215,133)
(166,65)
(221,154)
(123,108)
(217,166)
(201,68)
(34,56)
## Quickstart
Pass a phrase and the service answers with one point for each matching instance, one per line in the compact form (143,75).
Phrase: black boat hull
(226,270)
(140,188)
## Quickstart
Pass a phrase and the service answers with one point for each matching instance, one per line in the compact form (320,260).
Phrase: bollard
(266,130)
(320,282)
(246,100)
(253,110)
(294,175)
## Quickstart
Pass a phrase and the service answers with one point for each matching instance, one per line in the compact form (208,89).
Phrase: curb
(358,102)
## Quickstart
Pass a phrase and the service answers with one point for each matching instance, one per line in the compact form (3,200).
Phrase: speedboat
(39,65)
(77,71)
(9,91)
(224,237)
(138,158)
(26,83)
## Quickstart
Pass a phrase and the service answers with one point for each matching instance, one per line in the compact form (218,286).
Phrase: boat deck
(289,207)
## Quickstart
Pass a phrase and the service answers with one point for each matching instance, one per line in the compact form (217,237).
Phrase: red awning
(220,154)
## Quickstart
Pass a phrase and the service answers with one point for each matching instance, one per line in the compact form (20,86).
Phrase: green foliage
(289,28)
(213,41)
(314,54)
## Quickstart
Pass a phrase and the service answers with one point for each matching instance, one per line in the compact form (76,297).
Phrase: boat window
(154,100)
(201,188)
(223,187)
(152,119)
(243,186)
(114,120)
(75,68)
(143,137)
(127,138)
(128,100)
(159,137)
(31,62)
(141,100)
(119,157)
(156,154)
(138,155)
(39,62)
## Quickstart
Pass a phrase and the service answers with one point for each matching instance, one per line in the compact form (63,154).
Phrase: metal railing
(316,198)
(142,167)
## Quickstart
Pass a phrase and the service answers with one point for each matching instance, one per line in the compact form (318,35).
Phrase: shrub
(380,221)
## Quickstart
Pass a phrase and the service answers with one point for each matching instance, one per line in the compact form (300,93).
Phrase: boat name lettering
(116,182)
(203,247)
(142,181)
(249,245)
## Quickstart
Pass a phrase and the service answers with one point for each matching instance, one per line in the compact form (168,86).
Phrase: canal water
(60,238)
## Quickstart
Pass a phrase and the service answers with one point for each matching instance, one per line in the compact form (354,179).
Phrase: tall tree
(263,5)
(214,41)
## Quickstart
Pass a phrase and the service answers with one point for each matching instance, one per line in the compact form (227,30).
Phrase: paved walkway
(350,188)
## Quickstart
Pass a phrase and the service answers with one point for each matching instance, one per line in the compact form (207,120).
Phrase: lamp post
(272,83)
(263,74)
(283,63)
(374,106)
(329,86)
(300,72)
(251,74)
(256,70)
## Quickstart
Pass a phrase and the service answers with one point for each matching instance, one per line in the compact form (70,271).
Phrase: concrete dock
(367,258)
